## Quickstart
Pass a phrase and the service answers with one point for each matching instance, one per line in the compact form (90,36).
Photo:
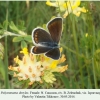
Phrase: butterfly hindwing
(40,35)
(53,53)
(39,49)
(55,28)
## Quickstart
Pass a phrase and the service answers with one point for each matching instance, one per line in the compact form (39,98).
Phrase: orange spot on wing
(35,49)
(35,36)
(36,39)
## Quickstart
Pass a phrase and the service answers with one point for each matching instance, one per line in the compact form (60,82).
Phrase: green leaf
(23,44)
(2,71)
(65,81)
(1,25)
(97,51)
(1,32)
(73,85)
(21,25)
(28,38)
(17,39)
(1,51)
(87,82)
(13,27)
(5,24)
(44,26)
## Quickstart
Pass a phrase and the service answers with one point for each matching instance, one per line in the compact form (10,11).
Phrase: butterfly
(47,42)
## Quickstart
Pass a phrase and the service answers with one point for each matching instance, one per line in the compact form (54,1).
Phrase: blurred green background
(80,41)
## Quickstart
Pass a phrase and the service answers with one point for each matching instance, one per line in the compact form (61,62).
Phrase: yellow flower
(24,51)
(75,10)
(52,66)
(71,6)
(37,68)
(49,77)
(51,3)
(57,3)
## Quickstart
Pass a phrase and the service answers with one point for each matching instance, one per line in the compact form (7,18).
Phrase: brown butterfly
(47,42)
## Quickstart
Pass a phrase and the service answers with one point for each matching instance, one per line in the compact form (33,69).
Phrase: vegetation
(80,41)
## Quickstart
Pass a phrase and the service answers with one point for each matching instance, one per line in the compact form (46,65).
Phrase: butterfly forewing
(40,35)
(53,53)
(55,29)
(39,49)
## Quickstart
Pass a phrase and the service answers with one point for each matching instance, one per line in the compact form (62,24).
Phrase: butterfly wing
(53,53)
(40,35)
(55,28)
(39,49)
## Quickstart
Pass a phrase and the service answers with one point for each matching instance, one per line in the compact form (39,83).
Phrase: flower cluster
(37,68)
(70,6)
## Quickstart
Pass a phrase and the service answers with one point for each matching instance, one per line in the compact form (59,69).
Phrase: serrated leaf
(17,39)
(28,38)
(23,44)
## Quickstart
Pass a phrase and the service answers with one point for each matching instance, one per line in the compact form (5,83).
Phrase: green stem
(77,49)
(94,74)
(67,48)
(93,64)
(89,85)
(91,29)
(59,8)
(6,54)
